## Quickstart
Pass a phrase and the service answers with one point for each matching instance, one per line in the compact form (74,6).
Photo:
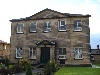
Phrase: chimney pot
(97,46)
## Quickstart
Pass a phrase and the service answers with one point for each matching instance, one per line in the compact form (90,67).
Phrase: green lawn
(78,71)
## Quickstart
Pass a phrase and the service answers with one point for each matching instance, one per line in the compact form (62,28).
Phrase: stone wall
(68,39)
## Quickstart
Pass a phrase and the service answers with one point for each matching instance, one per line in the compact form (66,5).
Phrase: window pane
(78,53)
(32,53)
(60,51)
(20,25)
(80,56)
(62,25)
(19,53)
(77,23)
(47,26)
(20,28)
(64,50)
(33,26)
(62,22)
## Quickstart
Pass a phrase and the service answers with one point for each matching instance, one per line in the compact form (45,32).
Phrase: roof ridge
(65,14)
(45,10)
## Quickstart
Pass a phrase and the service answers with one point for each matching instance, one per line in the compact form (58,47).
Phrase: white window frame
(59,22)
(33,56)
(62,56)
(17,53)
(78,54)
(5,47)
(47,27)
(36,27)
(78,28)
(21,31)
(62,52)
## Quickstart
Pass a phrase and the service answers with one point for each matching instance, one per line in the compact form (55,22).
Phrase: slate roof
(3,42)
(95,51)
(66,15)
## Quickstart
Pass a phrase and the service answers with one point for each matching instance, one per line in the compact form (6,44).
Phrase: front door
(45,54)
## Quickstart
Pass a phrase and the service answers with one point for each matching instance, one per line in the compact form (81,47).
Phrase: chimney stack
(98,47)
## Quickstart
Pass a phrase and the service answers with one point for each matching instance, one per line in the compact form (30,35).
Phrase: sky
(15,9)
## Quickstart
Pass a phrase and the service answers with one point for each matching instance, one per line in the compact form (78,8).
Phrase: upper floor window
(77,25)
(32,53)
(18,52)
(78,53)
(33,27)
(47,27)
(62,26)
(62,51)
(20,28)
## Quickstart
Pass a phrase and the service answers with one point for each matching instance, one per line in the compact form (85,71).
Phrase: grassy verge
(78,71)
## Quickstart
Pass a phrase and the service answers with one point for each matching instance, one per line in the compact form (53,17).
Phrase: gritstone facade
(51,35)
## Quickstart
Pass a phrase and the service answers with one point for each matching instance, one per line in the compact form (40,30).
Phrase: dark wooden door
(45,54)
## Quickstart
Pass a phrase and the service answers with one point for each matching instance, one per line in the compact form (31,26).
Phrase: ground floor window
(78,53)
(18,52)
(62,53)
(32,53)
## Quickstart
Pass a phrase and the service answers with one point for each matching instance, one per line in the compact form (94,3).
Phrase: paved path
(94,66)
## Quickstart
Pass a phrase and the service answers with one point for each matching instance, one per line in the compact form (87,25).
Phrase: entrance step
(41,66)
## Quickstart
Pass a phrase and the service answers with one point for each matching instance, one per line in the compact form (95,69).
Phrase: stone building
(95,55)
(51,35)
(4,49)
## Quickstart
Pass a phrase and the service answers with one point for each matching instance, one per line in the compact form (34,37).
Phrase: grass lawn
(78,71)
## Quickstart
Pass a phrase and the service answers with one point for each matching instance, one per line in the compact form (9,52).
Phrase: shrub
(53,65)
(11,66)
(48,69)
(28,70)
(17,68)
(5,71)
(24,63)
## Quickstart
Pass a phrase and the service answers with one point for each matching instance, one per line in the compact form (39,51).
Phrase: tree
(48,69)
